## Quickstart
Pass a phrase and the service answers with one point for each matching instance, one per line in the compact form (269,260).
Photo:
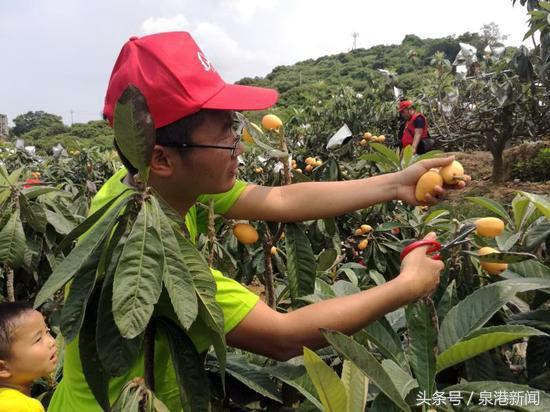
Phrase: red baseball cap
(405,104)
(177,80)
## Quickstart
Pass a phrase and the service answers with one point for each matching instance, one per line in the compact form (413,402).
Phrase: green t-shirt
(73,394)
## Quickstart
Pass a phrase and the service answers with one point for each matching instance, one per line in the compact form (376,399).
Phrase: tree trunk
(498,164)
(10,290)
(499,143)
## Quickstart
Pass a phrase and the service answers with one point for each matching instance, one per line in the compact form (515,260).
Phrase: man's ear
(162,161)
(5,372)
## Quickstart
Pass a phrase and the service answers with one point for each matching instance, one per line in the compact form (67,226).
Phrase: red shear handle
(435,246)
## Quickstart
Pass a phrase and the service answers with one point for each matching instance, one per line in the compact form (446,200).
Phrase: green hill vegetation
(312,80)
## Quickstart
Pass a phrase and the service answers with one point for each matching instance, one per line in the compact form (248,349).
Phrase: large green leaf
(536,234)
(330,388)
(542,203)
(5,194)
(80,256)
(520,206)
(326,259)
(96,377)
(491,205)
(448,300)
(210,311)
(530,268)
(428,155)
(33,213)
(507,240)
(33,253)
(536,318)
(193,383)
(204,283)
(357,387)
(117,354)
(382,403)
(386,152)
(134,129)
(4,175)
(300,262)
(510,257)
(406,156)
(253,376)
(433,216)
(12,242)
(177,278)
(15,175)
(138,277)
(88,223)
(482,340)
(422,332)
(403,381)
(82,286)
(377,158)
(386,340)
(36,191)
(61,224)
(297,377)
(72,313)
(471,392)
(473,311)
(368,364)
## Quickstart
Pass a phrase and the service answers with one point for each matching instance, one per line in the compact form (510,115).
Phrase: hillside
(310,80)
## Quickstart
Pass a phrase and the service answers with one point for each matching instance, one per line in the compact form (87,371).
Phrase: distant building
(4,126)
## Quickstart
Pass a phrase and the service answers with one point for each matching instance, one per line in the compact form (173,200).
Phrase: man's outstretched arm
(316,200)
(282,336)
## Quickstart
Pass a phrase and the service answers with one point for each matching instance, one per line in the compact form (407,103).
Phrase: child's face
(33,350)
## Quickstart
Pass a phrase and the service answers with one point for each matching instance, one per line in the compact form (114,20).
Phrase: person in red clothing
(414,128)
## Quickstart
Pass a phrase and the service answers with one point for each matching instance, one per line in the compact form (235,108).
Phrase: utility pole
(71,111)
(355,35)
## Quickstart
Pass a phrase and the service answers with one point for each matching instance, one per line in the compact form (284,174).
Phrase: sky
(57,55)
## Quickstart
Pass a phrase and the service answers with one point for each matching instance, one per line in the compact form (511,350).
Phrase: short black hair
(10,312)
(172,134)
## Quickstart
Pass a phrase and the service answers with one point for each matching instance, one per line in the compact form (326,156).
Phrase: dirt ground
(479,165)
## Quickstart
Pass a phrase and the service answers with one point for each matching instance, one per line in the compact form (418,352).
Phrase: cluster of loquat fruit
(449,175)
(311,163)
(490,227)
(362,231)
(369,137)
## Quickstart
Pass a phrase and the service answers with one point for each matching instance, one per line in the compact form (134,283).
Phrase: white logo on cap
(205,62)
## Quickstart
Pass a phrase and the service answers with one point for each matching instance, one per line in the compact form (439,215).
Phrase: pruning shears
(436,246)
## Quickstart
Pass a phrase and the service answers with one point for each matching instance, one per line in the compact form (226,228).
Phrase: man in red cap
(195,159)
(414,129)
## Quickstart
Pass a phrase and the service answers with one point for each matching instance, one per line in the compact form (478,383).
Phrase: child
(27,352)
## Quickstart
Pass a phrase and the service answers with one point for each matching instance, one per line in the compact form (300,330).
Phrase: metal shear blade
(461,238)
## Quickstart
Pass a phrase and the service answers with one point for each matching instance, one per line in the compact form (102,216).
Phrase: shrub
(534,168)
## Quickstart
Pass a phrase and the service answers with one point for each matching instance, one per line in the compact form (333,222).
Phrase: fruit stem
(211,232)
(268,273)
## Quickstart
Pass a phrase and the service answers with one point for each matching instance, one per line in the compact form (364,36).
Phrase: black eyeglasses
(237,131)
(233,147)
